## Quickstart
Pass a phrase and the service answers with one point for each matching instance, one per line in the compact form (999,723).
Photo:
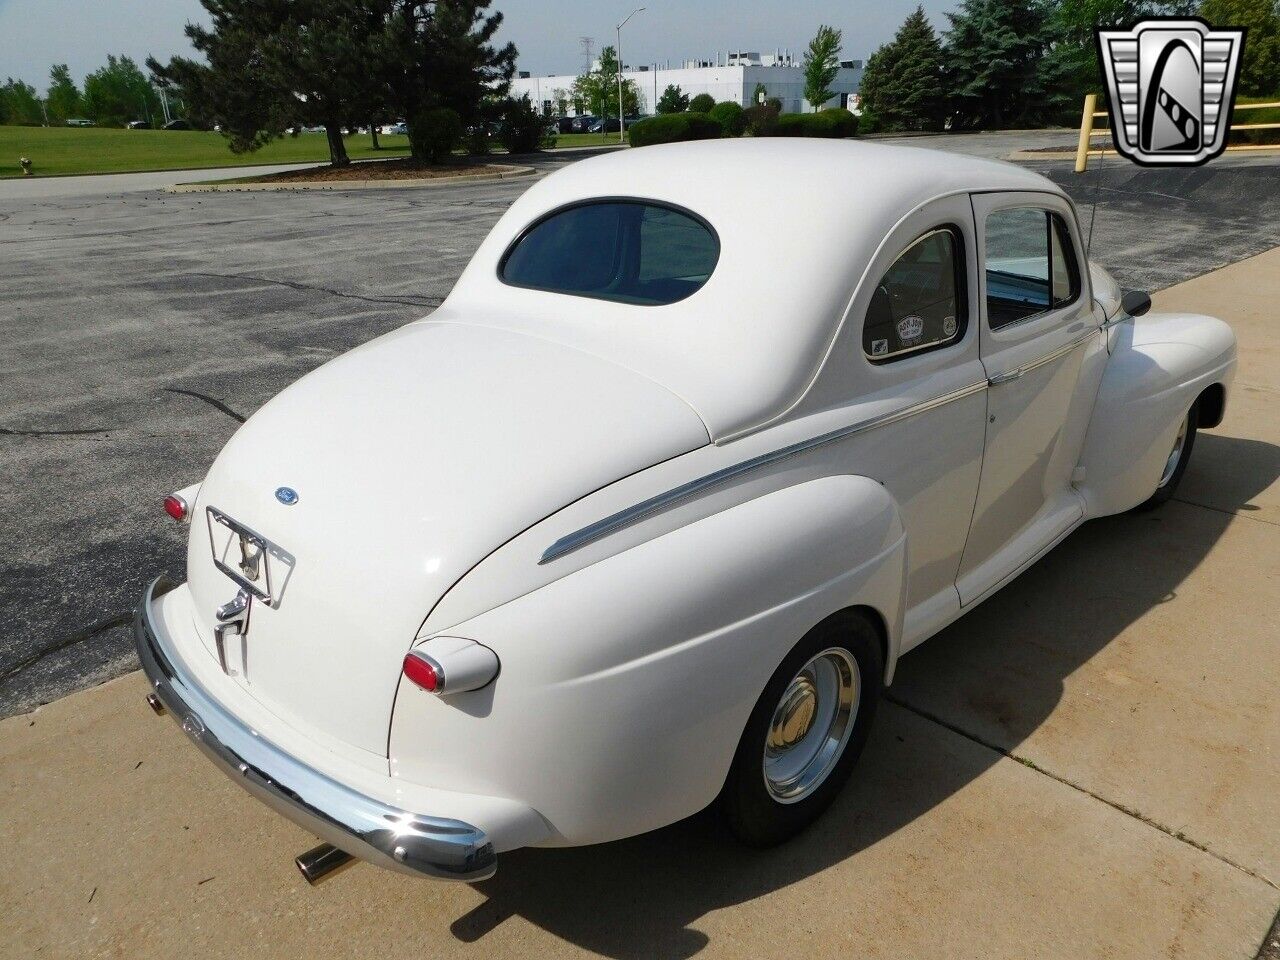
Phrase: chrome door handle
(1007,377)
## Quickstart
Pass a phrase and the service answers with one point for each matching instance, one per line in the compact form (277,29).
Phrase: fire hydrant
(25,164)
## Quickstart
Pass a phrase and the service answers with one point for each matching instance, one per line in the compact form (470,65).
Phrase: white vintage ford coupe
(704,439)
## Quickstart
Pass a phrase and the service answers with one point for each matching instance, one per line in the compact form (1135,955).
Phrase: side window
(1031,267)
(919,303)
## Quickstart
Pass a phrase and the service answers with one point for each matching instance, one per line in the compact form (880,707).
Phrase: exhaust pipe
(322,861)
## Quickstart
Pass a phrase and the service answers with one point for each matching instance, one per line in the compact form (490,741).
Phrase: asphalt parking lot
(1085,766)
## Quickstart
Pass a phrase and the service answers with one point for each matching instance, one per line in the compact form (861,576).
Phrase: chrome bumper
(365,828)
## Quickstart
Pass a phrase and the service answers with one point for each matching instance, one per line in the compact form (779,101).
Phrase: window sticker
(910,330)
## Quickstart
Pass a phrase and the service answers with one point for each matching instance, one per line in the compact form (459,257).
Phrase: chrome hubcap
(1175,455)
(811,725)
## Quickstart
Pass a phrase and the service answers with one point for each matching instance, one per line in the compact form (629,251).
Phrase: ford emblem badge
(287,495)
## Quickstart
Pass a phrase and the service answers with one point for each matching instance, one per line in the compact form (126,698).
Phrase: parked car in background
(138,125)
(630,524)
(178,124)
(612,125)
(564,124)
(582,124)
(399,128)
(79,122)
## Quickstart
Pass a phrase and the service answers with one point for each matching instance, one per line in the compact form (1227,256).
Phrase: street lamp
(622,123)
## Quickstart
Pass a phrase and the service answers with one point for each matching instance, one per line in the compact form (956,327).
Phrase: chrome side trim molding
(1016,372)
(634,514)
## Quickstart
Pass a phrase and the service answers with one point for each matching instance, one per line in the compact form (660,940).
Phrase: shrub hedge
(731,117)
(521,129)
(434,133)
(829,123)
(673,128)
(702,103)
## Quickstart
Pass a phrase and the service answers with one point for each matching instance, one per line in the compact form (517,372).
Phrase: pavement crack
(1230,513)
(79,636)
(1113,804)
(10,432)
(309,288)
(212,401)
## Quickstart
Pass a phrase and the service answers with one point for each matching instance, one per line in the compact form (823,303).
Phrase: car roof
(798,220)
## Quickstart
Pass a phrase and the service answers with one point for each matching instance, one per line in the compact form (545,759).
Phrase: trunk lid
(412,458)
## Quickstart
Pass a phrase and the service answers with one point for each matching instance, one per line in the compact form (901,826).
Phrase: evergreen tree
(18,104)
(702,103)
(274,64)
(993,55)
(1070,67)
(438,54)
(63,98)
(1260,71)
(118,93)
(821,66)
(673,100)
(902,85)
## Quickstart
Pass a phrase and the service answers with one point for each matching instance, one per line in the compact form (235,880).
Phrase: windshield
(628,251)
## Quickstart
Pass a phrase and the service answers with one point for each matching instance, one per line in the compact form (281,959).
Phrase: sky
(37,33)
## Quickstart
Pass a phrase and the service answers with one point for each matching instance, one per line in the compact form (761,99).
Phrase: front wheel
(1176,465)
(806,732)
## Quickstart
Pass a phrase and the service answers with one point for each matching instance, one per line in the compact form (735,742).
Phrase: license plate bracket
(257,557)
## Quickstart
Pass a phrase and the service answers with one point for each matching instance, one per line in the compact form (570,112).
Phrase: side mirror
(1136,302)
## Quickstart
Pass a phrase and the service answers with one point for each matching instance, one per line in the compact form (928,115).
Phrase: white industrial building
(733,76)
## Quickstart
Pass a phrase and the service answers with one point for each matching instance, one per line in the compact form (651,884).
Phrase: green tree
(702,103)
(440,53)
(821,65)
(1070,67)
(993,52)
(63,98)
(119,92)
(1260,71)
(275,64)
(902,85)
(598,90)
(18,104)
(673,100)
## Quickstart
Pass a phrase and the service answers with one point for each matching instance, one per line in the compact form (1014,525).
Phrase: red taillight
(175,507)
(422,672)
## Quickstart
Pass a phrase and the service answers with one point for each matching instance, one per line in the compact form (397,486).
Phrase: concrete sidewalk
(1085,766)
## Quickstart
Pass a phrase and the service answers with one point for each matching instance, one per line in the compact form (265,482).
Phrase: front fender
(1159,365)
(625,686)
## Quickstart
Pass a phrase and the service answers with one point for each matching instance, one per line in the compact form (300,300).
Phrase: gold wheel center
(794,716)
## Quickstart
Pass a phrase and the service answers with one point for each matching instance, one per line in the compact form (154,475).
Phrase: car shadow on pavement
(994,676)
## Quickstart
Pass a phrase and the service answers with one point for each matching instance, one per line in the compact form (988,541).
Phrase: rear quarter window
(627,251)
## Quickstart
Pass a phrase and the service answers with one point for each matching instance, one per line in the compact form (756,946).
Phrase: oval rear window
(628,251)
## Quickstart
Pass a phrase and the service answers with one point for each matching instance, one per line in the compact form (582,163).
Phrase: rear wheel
(805,732)
(1176,465)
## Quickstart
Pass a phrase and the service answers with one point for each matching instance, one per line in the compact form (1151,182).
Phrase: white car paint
(767,474)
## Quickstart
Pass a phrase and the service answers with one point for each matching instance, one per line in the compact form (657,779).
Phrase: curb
(1264,149)
(505,173)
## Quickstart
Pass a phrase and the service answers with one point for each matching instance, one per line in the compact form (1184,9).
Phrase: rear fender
(1159,366)
(625,686)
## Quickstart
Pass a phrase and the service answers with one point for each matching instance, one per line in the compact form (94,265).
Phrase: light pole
(622,123)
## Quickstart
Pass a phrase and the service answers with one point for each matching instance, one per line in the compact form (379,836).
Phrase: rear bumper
(417,844)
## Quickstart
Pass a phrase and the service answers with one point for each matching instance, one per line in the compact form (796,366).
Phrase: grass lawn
(586,139)
(65,150)
(58,151)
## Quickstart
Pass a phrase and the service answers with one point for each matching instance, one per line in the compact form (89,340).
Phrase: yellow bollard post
(1086,131)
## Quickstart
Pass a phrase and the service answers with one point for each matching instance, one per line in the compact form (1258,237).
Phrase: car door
(906,362)
(1043,353)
